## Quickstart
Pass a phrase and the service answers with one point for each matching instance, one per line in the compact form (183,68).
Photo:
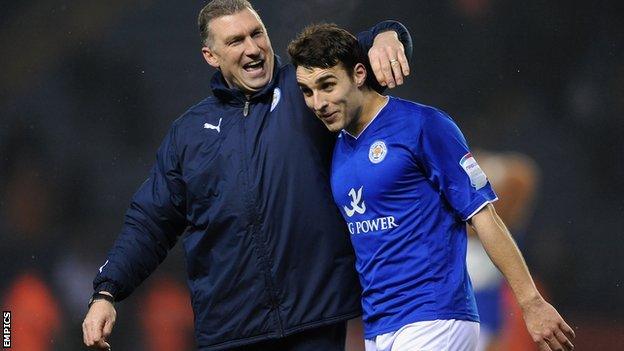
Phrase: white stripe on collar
(369,122)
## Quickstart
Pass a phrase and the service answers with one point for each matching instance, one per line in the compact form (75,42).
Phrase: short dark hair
(216,9)
(324,46)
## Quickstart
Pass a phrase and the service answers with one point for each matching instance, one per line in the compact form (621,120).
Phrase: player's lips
(328,117)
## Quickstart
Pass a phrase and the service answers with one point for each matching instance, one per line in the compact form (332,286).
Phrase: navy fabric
(247,180)
(326,338)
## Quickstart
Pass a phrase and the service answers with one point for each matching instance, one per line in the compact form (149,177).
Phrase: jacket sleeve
(367,37)
(153,223)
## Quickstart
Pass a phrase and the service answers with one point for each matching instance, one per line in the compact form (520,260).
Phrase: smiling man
(238,46)
(245,174)
(407,184)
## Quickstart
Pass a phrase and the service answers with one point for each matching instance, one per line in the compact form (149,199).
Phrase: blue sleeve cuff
(477,204)
(107,286)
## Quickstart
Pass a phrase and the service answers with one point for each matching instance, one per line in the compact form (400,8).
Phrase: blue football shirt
(405,187)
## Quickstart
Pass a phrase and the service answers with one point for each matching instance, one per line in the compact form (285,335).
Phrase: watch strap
(100,296)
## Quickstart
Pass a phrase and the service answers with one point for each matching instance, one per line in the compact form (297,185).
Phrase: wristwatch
(100,296)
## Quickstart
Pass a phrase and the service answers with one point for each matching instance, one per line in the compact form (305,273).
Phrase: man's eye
(327,86)
(235,42)
(257,34)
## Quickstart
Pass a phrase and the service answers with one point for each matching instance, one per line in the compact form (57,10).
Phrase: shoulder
(287,77)
(288,92)
(414,116)
(187,125)
(199,111)
(287,70)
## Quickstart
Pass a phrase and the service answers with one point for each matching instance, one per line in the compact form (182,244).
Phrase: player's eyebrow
(302,85)
(324,77)
(320,80)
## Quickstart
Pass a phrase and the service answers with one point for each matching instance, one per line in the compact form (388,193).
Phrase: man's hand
(98,325)
(547,328)
(388,61)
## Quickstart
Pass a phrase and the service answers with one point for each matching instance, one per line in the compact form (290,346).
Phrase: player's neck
(372,103)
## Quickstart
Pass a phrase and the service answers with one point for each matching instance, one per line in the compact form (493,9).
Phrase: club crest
(277,95)
(377,151)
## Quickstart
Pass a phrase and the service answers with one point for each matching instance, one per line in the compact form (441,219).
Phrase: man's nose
(251,48)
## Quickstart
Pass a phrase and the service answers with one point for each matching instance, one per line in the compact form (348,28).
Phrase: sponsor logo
(377,151)
(6,329)
(372,225)
(277,95)
(356,198)
(478,179)
(358,206)
(212,126)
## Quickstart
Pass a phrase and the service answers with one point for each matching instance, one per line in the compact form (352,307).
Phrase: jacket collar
(223,92)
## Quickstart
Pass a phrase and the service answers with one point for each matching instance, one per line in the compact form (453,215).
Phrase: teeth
(253,64)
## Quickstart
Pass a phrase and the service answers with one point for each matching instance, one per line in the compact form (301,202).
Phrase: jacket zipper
(254,223)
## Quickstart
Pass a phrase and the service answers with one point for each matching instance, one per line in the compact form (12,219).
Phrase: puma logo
(212,126)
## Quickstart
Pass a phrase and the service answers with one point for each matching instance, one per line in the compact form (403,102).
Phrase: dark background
(89,88)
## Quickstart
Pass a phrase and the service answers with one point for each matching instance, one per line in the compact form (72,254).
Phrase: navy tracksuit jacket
(247,181)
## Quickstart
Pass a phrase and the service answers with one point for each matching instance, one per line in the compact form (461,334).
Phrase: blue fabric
(489,304)
(403,188)
(267,251)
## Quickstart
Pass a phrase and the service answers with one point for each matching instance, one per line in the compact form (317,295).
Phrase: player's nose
(319,102)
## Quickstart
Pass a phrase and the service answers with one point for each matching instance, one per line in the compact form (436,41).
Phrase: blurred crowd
(87,91)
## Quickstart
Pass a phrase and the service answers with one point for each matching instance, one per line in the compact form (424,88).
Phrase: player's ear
(210,57)
(359,74)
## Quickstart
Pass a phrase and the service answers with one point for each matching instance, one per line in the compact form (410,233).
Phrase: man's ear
(359,74)
(210,57)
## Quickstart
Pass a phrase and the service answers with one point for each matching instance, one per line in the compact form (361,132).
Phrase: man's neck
(372,103)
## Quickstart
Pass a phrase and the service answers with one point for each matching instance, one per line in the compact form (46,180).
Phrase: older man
(245,173)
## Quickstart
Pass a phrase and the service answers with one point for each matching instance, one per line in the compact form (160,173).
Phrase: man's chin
(257,84)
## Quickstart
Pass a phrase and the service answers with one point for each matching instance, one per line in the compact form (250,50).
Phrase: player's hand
(547,328)
(98,325)
(388,61)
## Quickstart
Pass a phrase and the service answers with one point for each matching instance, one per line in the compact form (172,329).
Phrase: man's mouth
(254,65)
(328,116)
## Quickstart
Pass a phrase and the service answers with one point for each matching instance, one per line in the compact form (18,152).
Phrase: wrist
(386,33)
(101,296)
(530,300)
(109,286)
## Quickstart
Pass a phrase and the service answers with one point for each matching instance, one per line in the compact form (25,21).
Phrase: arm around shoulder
(389,48)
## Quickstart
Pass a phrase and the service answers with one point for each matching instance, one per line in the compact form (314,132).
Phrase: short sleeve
(443,153)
